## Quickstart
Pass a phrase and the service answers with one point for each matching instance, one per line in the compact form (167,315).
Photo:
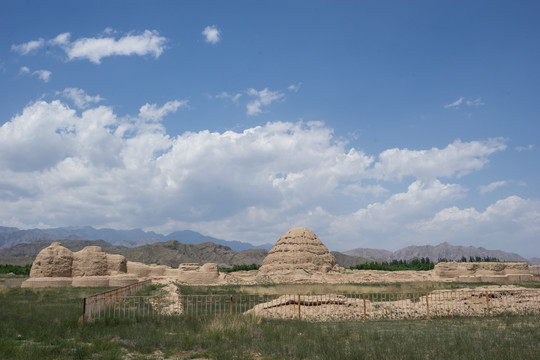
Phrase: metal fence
(332,307)
(113,302)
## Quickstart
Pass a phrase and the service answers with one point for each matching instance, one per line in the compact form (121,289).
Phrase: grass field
(44,324)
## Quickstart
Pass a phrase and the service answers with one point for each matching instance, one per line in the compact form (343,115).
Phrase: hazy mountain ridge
(443,250)
(170,253)
(11,236)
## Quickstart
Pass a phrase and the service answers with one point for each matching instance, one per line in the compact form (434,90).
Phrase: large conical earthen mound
(299,249)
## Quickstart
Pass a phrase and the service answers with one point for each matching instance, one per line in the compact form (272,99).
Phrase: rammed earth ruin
(299,256)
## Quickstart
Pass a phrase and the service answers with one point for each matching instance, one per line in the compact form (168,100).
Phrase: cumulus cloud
(483,189)
(87,165)
(261,98)
(149,42)
(94,49)
(212,34)
(61,39)
(457,159)
(151,112)
(512,223)
(79,97)
(29,47)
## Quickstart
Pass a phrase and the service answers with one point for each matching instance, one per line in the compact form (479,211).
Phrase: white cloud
(212,34)
(62,166)
(94,49)
(475,102)
(294,87)
(225,95)
(525,148)
(484,189)
(512,224)
(27,48)
(457,159)
(455,104)
(462,101)
(153,113)
(61,39)
(80,98)
(261,98)
(44,75)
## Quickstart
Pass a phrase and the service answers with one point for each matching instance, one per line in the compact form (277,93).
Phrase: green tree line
(15,269)
(422,264)
(240,268)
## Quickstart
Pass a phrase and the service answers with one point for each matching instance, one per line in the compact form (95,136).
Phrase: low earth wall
(504,272)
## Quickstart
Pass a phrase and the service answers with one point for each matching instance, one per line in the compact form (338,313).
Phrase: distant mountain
(10,236)
(192,237)
(347,260)
(170,252)
(22,254)
(444,250)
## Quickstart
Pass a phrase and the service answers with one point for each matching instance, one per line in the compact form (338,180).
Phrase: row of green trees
(240,268)
(15,269)
(472,259)
(422,264)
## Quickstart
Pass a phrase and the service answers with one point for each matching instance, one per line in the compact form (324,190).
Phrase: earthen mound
(53,261)
(90,261)
(299,249)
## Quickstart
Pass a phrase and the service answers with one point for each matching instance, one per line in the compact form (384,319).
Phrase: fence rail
(115,300)
(332,307)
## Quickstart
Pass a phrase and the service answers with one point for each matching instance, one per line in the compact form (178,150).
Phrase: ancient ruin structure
(297,257)
(299,249)
(57,266)
(484,271)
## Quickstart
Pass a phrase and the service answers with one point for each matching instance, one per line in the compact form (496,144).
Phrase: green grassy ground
(44,324)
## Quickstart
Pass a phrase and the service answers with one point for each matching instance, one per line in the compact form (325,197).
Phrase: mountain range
(20,247)
(10,236)
(443,250)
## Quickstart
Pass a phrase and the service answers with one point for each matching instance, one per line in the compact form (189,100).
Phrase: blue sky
(375,123)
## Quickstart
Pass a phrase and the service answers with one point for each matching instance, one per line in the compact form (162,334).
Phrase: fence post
(487,302)
(427,305)
(364,298)
(159,308)
(299,315)
(231,305)
(84,311)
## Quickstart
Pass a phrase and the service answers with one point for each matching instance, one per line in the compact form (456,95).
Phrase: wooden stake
(84,311)
(364,297)
(427,305)
(487,302)
(299,315)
